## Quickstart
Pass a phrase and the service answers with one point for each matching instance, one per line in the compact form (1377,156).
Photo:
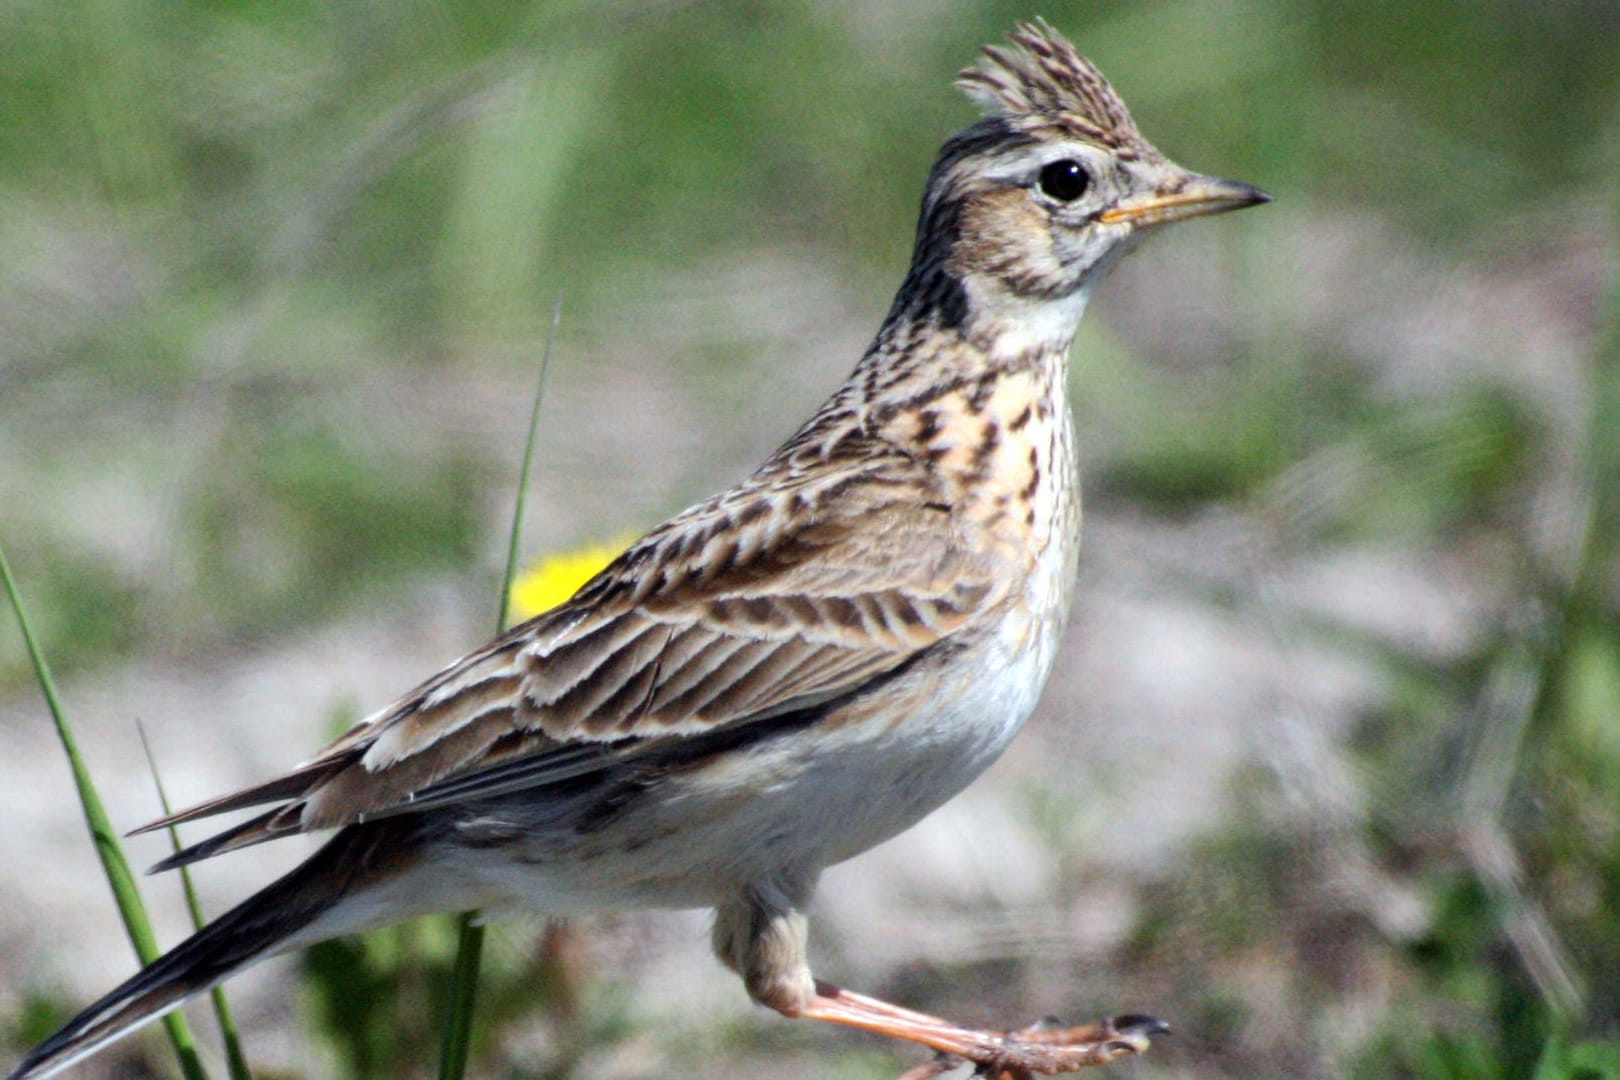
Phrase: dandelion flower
(558,576)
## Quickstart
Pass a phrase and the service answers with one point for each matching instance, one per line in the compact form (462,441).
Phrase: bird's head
(1026,209)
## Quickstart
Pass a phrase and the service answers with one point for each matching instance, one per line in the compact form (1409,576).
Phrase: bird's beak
(1192,196)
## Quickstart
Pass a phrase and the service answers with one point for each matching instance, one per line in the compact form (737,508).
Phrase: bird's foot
(1046,1048)
(1041,1049)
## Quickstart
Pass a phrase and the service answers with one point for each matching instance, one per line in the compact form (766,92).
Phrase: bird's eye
(1064,180)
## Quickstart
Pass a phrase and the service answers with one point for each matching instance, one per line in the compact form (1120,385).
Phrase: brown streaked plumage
(783,675)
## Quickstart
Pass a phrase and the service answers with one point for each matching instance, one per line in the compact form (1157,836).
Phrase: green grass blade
(470,936)
(235,1059)
(515,535)
(105,840)
(463,995)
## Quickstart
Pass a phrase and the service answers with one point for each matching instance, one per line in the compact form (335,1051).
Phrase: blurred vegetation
(243,247)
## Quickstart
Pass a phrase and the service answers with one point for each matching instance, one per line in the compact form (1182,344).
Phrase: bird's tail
(286,914)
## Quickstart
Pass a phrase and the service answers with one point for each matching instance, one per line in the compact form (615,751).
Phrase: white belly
(794,804)
(790,805)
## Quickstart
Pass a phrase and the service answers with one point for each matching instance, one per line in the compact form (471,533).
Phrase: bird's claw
(1046,1049)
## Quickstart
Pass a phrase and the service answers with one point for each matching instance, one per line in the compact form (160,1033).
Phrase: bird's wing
(793,589)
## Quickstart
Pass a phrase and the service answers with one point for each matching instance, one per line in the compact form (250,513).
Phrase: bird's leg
(762,938)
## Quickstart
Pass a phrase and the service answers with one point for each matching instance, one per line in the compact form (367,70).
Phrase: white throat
(1025,326)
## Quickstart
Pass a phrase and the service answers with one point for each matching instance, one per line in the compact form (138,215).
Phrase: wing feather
(797,588)
(424,729)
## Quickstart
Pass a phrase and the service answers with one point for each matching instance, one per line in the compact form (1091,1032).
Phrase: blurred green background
(1330,772)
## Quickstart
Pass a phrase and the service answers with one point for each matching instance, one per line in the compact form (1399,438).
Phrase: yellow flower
(557,577)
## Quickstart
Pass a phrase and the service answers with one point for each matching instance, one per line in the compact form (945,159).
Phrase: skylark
(787,673)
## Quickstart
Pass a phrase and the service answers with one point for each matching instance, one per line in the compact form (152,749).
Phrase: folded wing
(787,592)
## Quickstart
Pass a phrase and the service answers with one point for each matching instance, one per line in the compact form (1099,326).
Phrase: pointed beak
(1191,196)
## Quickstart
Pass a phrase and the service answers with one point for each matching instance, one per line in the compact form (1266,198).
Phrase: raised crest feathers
(1042,84)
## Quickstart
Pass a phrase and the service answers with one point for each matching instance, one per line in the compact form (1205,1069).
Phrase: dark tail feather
(249,932)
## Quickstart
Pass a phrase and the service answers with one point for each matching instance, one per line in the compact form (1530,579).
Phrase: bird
(785,674)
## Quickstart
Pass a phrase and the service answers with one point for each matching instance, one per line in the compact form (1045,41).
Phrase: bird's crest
(1042,85)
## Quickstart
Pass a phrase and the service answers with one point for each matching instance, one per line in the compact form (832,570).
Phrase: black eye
(1065,180)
